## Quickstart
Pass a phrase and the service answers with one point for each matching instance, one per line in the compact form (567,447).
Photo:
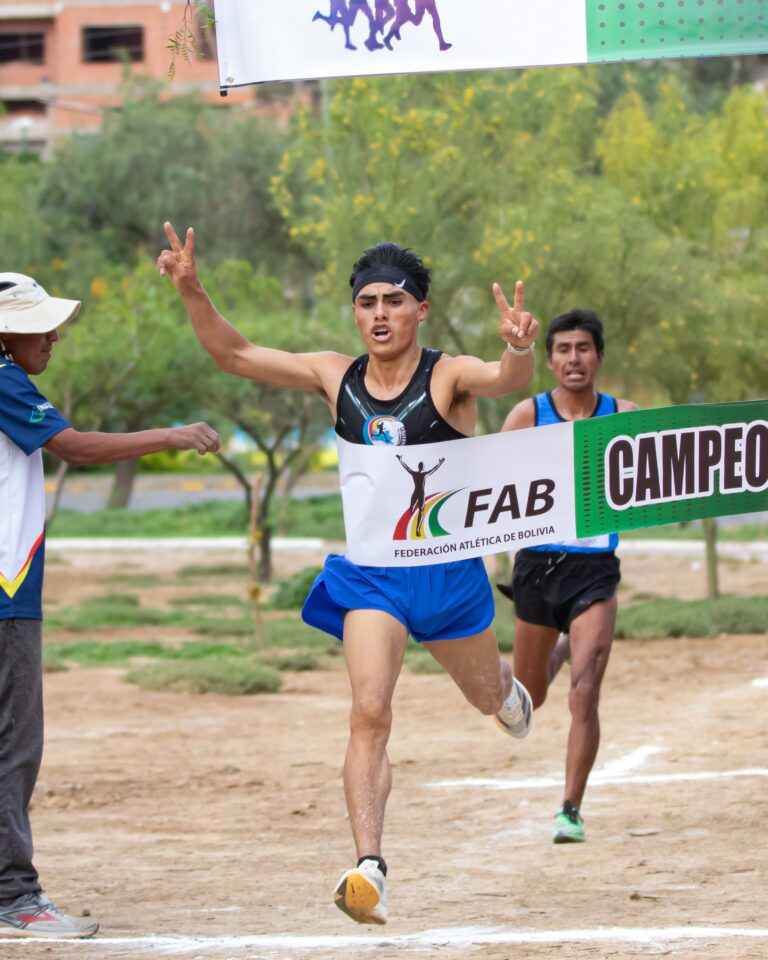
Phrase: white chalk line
(446,937)
(760,682)
(631,761)
(599,779)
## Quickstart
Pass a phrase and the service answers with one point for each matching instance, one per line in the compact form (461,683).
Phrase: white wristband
(521,352)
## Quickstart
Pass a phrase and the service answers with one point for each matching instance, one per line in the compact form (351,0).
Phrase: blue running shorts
(440,601)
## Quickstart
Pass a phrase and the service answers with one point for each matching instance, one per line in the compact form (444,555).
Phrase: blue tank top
(547,414)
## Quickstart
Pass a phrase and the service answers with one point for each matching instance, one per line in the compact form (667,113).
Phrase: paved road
(87,492)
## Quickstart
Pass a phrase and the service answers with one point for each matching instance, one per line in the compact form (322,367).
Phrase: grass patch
(746,532)
(693,618)
(218,675)
(291,593)
(99,653)
(193,570)
(314,517)
(138,580)
(216,600)
(99,612)
(211,518)
(123,610)
(52,662)
(300,661)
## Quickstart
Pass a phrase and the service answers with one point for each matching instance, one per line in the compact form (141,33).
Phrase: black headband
(384,274)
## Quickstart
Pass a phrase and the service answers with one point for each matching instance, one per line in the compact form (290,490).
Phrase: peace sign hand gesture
(178,263)
(517,328)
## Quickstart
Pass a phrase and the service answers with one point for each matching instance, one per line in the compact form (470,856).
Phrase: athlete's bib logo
(422,518)
(383,429)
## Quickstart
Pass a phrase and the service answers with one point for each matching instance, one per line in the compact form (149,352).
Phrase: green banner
(655,29)
(651,467)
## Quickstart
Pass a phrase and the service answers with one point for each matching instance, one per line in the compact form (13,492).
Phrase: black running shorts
(552,588)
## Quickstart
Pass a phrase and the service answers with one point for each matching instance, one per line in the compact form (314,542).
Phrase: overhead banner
(439,502)
(258,41)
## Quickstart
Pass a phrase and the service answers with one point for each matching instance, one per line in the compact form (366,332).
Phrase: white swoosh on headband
(401,284)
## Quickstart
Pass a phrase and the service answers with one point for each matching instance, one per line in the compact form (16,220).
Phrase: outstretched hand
(178,263)
(195,436)
(517,326)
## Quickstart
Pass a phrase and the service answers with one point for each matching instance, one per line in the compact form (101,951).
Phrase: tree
(107,194)
(127,362)
(285,426)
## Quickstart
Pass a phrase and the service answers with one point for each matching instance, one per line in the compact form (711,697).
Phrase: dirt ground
(213,827)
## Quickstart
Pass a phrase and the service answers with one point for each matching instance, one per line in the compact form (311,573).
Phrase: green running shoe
(569,827)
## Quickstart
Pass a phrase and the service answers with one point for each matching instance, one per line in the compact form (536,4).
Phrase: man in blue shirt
(29,319)
(568,587)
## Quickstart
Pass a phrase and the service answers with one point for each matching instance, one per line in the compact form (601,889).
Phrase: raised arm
(230,350)
(513,372)
(403,464)
(437,466)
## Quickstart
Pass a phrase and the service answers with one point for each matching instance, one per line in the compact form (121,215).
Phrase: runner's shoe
(515,716)
(569,827)
(361,895)
(33,915)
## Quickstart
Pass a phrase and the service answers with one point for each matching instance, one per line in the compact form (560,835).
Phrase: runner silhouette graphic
(419,478)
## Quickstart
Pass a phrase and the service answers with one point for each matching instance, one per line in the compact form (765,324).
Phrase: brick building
(62,63)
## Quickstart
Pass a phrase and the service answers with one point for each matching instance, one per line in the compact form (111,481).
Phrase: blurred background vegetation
(637,190)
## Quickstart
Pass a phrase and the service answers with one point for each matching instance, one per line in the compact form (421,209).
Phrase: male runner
(29,321)
(425,396)
(568,587)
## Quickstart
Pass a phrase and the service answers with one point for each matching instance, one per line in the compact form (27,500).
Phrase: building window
(16,108)
(22,47)
(112,44)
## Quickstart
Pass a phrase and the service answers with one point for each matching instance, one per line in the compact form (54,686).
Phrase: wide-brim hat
(25,307)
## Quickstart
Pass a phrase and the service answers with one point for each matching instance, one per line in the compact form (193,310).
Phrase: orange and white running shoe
(361,894)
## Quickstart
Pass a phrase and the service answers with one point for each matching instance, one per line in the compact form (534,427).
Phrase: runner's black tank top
(410,418)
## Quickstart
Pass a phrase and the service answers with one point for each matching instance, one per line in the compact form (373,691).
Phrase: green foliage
(223,676)
(197,17)
(229,570)
(208,600)
(310,517)
(619,188)
(299,661)
(106,195)
(291,594)
(692,618)
(94,653)
(209,519)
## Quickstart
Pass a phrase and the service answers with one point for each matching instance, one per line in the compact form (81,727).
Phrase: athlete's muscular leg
(477,669)
(374,644)
(591,638)
(534,644)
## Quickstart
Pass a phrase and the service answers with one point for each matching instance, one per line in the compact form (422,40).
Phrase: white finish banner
(259,41)
(584,479)
(438,502)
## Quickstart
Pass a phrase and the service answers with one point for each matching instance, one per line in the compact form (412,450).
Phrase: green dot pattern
(654,29)
(594,516)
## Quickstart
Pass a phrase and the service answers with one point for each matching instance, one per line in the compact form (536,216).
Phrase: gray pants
(21,749)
